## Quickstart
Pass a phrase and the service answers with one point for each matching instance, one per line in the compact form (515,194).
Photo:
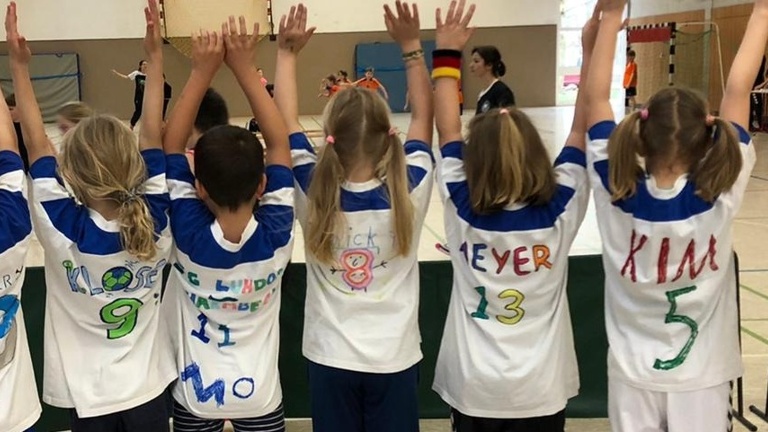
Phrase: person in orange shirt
(630,82)
(371,83)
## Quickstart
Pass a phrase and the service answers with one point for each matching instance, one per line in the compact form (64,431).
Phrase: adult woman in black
(486,65)
(138,77)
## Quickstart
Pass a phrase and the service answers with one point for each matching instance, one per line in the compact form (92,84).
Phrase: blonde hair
(74,112)
(676,131)
(358,119)
(506,162)
(101,161)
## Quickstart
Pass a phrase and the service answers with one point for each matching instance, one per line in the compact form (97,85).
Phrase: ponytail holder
(503,111)
(644,114)
(711,120)
(330,139)
(129,197)
(392,131)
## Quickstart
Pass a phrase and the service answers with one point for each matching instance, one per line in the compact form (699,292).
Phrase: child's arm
(381,86)
(240,50)
(746,65)
(293,36)
(598,85)
(577,137)
(452,37)
(207,56)
(32,125)
(8,139)
(154,92)
(405,29)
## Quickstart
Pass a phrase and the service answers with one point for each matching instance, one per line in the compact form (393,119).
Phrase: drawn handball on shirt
(9,306)
(116,279)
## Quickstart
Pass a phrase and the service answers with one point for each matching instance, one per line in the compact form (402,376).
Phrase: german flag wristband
(446,64)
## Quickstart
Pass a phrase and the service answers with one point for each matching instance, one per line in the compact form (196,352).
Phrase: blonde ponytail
(137,231)
(624,147)
(721,165)
(324,198)
(393,168)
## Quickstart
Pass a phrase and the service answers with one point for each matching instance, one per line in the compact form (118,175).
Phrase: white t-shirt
(132,76)
(363,316)
(19,404)
(223,299)
(670,286)
(105,351)
(507,349)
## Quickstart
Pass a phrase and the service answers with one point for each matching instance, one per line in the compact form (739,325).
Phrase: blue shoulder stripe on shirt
(10,162)
(154,159)
(744,136)
(303,173)
(45,167)
(525,219)
(572,155)
(178,168)
(602,130)
(15,224)
(453,149)
(413,146)
(278,177)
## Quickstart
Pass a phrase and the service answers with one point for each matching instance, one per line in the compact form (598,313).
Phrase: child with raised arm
(362,204)
(511,217)
(232,221)
(19,405)
(666,225)
(106,356)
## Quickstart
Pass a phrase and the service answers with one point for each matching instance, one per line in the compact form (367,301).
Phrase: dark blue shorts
(153,416)
(348,401)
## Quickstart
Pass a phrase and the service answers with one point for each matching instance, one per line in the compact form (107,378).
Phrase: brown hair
(74,112)
(506,162)
(676,131)
(101,161)
(359,122)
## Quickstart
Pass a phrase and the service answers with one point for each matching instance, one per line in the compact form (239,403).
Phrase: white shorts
(635,410)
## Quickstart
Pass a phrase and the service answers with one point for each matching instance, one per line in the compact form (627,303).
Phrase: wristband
(413,55)
(446,72)
(446,53)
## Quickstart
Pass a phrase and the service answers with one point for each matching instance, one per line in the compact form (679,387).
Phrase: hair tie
(129,197)
(330,139)
(392,131)
(711,120)
(644,114)
(503,111)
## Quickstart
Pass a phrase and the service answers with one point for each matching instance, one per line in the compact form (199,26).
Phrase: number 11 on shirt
(200,334)
(514,306)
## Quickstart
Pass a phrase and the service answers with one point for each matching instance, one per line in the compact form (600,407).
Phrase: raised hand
(153,41)
(294,34)
(405,27)
(454,32)
(207,53)
(240,47)
(17,45)
(613,6)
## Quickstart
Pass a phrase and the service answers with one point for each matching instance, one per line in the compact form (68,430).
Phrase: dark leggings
(137,105)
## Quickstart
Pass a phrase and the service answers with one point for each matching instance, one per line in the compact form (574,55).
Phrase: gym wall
(531,71)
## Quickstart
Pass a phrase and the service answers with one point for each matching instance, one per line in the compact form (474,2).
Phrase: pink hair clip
(644,114)
(330,139)
(392,131)
(711,120)
(503,111)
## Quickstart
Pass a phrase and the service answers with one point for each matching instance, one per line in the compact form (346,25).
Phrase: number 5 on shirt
(672,317)
(514,306)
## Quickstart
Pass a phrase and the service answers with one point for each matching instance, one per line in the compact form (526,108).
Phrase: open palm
(294,34)
(454,32)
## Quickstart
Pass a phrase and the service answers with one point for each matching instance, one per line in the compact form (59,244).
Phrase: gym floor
(750,234)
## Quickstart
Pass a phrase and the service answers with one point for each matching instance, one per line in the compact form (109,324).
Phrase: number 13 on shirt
(514,306)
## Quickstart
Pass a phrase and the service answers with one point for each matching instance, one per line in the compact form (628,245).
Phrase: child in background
(371,83)
(343,79)
(212,112)
(232,222)
(106,357)
(71,114)
(630,82)
(671,312)
(362,204)
(19,405)
(503,197)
